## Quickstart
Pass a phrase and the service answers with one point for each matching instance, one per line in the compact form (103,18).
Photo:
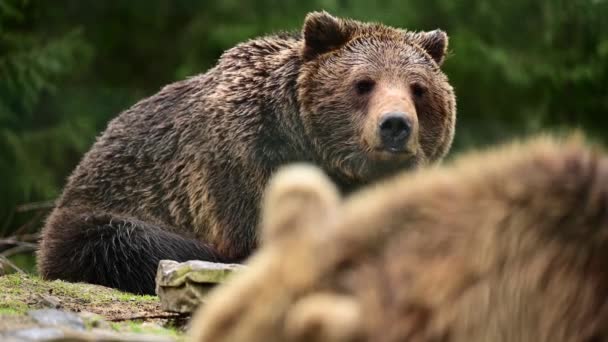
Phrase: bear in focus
(180,174)
(505,245)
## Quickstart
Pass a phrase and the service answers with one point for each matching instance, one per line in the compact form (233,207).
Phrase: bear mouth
(392,154)
(376,164)
(382,163)
(393,150)
(400,152)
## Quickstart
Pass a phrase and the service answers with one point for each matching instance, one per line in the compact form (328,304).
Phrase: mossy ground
(20,293)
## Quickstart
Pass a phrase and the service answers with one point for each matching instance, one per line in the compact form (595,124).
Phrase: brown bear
(180,174)
(506,245)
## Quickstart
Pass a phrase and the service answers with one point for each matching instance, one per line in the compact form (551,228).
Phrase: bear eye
(418,89)
(364,86)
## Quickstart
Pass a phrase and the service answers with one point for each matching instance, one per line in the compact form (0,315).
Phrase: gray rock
(54,317)
(182,287)
(33,334)
(51,301)
(57,334)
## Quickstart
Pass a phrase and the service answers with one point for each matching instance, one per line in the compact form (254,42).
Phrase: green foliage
(68,66)
(34,141)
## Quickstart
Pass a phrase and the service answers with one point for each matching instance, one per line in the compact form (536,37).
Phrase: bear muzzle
(391,130)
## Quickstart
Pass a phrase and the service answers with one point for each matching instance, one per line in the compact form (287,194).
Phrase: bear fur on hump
(180,175)
(505,245)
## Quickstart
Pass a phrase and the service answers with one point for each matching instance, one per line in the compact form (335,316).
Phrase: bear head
(373,99)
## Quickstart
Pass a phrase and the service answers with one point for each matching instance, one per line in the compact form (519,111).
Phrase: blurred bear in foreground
(504,245)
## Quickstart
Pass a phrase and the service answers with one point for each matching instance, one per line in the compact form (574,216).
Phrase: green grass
(139,327)
(10,310)
(15,284)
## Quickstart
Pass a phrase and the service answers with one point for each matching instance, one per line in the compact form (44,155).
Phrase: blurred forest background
(68,66)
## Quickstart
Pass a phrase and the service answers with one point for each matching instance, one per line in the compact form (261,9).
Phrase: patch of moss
(11,295)
(16,284)
(127,297)
(9,311)
(11,282)
(95,294)
(139,327)
(14,306)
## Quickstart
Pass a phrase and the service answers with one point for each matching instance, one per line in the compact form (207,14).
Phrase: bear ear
(322,33)
(297,199)
(434,42)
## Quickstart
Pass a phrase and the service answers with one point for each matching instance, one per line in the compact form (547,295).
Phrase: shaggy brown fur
(507,245)
(180,174)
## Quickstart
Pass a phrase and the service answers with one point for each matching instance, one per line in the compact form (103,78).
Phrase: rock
(33,334)
(182,287)
(59,326)
(57,334)
(54,317)
(51,301)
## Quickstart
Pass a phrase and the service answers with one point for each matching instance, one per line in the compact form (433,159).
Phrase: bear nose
(395,129)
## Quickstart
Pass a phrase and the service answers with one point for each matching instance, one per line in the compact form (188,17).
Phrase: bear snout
(394,129)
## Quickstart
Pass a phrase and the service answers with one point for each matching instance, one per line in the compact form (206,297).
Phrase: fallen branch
(4,260)
(25,247)
(162,316)
(44,205)
(33,221)
(8,221)
(17,239)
